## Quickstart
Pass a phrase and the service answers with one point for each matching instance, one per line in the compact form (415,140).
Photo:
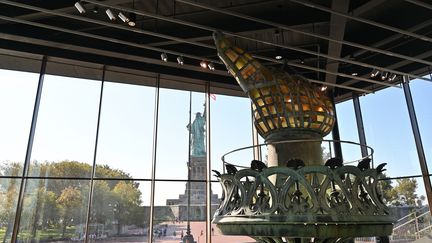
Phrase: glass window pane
(231,128)
(54,210)
(126,131)
(407,203)
(389,133)
(172,215)
(348,130)
(17,97)
(421,91)
(9,189)
(120,211)
(173,134)
(67,120)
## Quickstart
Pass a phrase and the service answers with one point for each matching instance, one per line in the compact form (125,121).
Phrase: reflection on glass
(66,126)
(407,203)
(173,135)
(171,217)
(17,97)
(126,130)
(54,210)
(118,212)
(348,130)
(388,132)
(231,128)
(421,91)
(9,189)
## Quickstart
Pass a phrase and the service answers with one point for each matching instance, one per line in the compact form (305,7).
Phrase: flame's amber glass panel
(238,50)
(265,91)
(241,62)
(268,100)
(248,71)
(222,44)
(260,102)
(248,56)
(231,55)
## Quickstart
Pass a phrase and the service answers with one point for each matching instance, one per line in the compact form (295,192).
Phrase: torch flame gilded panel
(283,104)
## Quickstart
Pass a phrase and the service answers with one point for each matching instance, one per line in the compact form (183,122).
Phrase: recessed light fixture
(323,88)
(80,7)
(132,19)
(278,57)
(354,74)
(95,9)
(180,60)
(110,14)
(164,57)
(211,66)
(203,64)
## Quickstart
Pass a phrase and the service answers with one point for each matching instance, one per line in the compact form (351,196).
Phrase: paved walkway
(197,230)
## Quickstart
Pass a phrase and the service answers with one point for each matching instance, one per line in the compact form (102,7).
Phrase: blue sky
(67,121)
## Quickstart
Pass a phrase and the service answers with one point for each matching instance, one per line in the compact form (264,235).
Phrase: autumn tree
(69,202)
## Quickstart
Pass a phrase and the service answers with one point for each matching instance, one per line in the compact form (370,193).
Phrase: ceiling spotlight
(211,66)
(110,14)
(278,57)
(132,19)
(80,8)
(374,73)
(95,9)
(323,88)
(164,57)
(384,75)
(354,74)
(123,17)
(180,60)
(392,77)
(203,64)
(301,61)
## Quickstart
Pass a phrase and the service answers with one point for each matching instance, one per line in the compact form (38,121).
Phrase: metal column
(360,127)
(255,139)
(335,133)
(28,152)
(208,173)
(93,173)
(417,139)
(153,173)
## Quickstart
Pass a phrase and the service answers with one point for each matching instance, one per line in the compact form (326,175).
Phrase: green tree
(386,188)
(69,202)
(8,199)
(406,187)
(53,203)
(127,201)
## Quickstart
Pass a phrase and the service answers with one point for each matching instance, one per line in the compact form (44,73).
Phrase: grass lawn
(46,234)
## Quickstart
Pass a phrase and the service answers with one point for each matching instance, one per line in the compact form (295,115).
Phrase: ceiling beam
(365,21)
(337,31)
(400,64)
(288,28)
(366,7)
(43,15)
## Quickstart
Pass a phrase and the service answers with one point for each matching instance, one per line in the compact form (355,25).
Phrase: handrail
(329,141)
